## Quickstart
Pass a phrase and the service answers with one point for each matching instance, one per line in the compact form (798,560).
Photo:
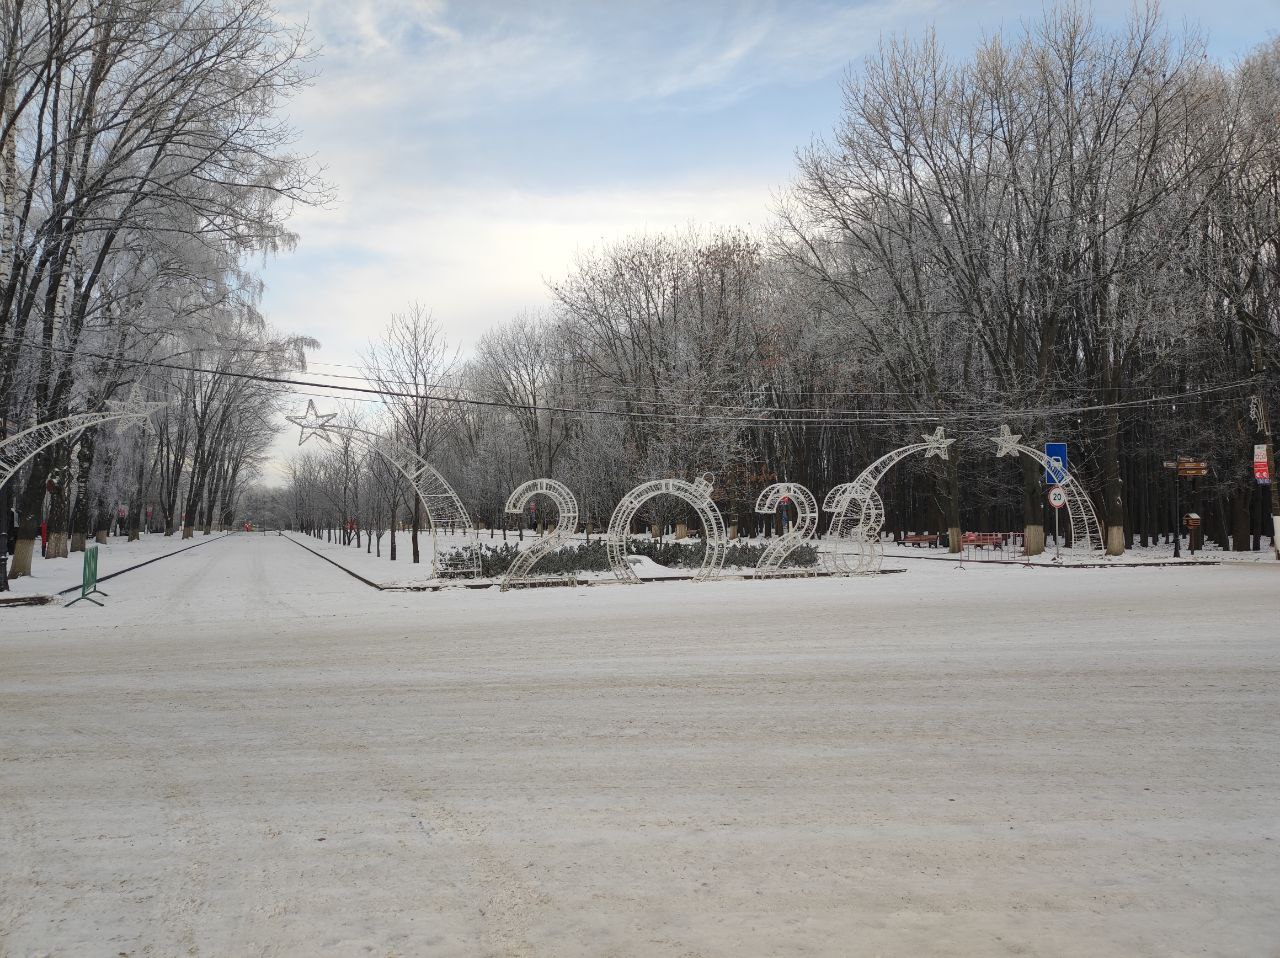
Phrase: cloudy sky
(476,146)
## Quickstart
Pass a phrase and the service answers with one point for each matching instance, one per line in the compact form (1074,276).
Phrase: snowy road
(248,752)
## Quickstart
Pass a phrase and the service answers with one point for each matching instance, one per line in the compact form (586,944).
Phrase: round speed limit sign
(1057,498)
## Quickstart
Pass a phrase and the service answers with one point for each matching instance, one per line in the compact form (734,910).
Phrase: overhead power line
(754,416)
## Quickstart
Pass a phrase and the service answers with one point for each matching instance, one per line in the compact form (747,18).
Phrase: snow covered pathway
(248,752)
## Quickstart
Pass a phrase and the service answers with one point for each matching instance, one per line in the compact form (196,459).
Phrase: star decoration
(937,443)
(131,410)
(131,405)
(312,423)
(1007,442)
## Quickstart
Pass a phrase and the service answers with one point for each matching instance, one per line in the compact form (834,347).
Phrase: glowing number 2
(775,554)
(566,525)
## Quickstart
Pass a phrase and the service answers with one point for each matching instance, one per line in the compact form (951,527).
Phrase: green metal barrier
(89,581)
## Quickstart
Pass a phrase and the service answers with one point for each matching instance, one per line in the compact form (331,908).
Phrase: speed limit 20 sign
(1057,497)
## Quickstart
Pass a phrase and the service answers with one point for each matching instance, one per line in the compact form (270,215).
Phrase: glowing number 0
(696,494)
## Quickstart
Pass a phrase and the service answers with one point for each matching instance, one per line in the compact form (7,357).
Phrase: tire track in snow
(511,905)
(184,891)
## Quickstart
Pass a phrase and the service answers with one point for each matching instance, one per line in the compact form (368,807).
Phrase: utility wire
(836,417)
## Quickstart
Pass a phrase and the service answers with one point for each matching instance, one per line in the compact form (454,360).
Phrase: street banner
(1261,467)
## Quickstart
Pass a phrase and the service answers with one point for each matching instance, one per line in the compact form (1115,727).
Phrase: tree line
(142,163)
(1071,230)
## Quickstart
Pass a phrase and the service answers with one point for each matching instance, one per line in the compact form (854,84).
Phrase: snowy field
(249,752)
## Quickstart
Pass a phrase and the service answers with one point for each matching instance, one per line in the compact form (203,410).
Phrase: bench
(920,540)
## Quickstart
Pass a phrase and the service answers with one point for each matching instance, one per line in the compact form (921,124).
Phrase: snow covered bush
(594,557)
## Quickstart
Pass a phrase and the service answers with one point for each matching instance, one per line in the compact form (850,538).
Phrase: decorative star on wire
(131,405)
(937,443)
(1007,442)
(312,423)
(131,410)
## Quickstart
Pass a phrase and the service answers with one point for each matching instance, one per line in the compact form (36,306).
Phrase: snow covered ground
(52,575)
(403,573)
(49,576)
(248,752)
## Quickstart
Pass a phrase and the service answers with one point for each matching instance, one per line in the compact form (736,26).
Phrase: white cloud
(430,60)
(476,257)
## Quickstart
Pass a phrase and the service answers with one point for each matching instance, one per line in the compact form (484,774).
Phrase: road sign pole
(1057,499)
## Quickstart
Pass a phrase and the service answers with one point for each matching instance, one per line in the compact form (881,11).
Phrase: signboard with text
(1261,465)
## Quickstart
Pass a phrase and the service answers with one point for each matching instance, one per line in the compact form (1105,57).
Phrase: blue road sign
(1057,454)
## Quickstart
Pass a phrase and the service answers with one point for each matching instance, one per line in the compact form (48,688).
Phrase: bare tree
(415,370)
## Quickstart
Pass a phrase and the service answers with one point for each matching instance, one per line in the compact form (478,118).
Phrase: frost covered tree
(416,370)
(136,136)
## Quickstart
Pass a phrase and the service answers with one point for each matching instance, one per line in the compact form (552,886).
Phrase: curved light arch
(859,510)
(1080,512)
(566,524)
(439,501)
(698,495)
(20,448)
(776,552)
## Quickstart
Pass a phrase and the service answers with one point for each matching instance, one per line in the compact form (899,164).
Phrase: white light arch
(20,448)
(439,501)
(1080,512)
(859,510)
(566,525)
(776,552)
(698,495)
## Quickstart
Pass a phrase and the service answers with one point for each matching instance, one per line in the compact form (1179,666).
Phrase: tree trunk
(1240,537)
(31,502)
(4,531)
(1113,495)
(80,514)
(417,524)
(949,488)
(135,505)
(56,524)
(102,521)
(1032,507)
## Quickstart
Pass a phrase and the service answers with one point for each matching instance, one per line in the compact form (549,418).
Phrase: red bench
(920,540)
